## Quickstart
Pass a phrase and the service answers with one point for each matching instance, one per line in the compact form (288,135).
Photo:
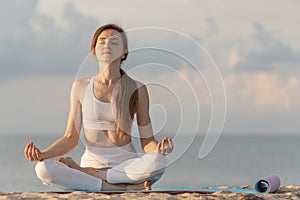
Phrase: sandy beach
(285,192)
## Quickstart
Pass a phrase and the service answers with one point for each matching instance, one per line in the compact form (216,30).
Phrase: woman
(105,105)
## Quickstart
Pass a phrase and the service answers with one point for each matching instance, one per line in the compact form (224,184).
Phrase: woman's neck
(109,73)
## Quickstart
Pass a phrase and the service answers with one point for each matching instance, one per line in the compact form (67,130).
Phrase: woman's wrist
(44,155)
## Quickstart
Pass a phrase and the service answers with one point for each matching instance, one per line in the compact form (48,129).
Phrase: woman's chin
(108,60)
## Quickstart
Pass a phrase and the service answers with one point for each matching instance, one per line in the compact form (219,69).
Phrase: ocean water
(234,161)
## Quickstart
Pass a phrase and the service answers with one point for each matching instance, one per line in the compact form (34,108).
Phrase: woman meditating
(105,105)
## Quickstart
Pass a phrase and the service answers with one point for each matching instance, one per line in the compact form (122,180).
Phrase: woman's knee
(43,170)
(154,166)
(155,162)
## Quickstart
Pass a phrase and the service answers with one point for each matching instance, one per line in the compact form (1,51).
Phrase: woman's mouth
(107,53)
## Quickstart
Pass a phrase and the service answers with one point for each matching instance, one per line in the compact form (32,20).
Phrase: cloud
(234,57)
(259,92)
(213,27)
(47,46)
(13,19)
(14,34)
(44,45)
(262,92)
(37,46)
(254,100)
(262,51)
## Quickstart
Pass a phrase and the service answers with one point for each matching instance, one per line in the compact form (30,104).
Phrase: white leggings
(148,167)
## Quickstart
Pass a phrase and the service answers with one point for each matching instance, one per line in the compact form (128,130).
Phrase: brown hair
(126,94)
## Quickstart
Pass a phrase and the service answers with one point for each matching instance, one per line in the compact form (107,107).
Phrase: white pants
(147,167)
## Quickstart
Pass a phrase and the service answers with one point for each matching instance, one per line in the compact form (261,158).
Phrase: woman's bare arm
(148,141)
(70,139)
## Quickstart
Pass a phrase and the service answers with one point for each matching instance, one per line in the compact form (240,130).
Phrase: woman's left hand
(165,146)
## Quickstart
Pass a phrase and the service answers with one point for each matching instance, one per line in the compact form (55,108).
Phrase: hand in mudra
(33,153)
(165,146)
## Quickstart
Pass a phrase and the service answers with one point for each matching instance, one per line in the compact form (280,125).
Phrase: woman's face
(109,47)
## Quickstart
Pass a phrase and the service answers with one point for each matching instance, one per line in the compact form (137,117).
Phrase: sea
(234,161)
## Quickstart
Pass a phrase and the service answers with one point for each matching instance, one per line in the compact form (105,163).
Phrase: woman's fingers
(158,147)
(33,153)
(39,154)
(171,144)
(165,140)
(29,152)
(26,150)
(165,146)
(61,159)
(162,146)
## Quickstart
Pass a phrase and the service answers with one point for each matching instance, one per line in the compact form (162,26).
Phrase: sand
(285,192)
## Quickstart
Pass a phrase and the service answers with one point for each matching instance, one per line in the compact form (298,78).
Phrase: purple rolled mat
(267,184)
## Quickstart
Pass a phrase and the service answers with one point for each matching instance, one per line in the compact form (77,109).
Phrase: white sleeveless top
(97,115)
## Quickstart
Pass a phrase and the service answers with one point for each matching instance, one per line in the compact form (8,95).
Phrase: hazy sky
(255,45)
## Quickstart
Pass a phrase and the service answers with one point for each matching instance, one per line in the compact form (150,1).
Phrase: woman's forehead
(109,33)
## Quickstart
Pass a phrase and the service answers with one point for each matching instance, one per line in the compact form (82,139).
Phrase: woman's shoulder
(81,82)
(139,84)
(141,88)
(79,86)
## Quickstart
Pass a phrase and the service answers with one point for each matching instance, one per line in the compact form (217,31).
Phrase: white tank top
(97,115)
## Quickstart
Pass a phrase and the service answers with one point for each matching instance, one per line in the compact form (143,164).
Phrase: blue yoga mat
(207,190)
(215,189)
(182,190)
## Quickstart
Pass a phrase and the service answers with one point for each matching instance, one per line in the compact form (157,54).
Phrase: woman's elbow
(72,140)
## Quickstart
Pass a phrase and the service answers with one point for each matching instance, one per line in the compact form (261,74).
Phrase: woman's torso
(98,114)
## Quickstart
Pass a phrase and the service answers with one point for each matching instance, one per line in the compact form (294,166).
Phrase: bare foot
(125,186)
(69,162)
(147,185)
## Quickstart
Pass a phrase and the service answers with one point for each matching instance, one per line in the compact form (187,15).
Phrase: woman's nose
(107,44)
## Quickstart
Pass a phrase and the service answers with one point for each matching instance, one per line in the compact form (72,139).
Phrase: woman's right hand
(32,153)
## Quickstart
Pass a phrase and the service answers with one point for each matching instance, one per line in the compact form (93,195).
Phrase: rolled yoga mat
(268,184)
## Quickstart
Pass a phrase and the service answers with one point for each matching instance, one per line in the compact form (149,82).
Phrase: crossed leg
(132,174)
(59,175)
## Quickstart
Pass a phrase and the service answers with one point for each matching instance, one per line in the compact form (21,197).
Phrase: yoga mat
(184,190)
(266,185)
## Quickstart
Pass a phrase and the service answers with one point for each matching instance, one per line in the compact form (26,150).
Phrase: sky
(240,75)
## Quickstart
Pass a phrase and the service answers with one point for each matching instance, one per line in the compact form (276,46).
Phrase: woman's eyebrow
(103,38)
